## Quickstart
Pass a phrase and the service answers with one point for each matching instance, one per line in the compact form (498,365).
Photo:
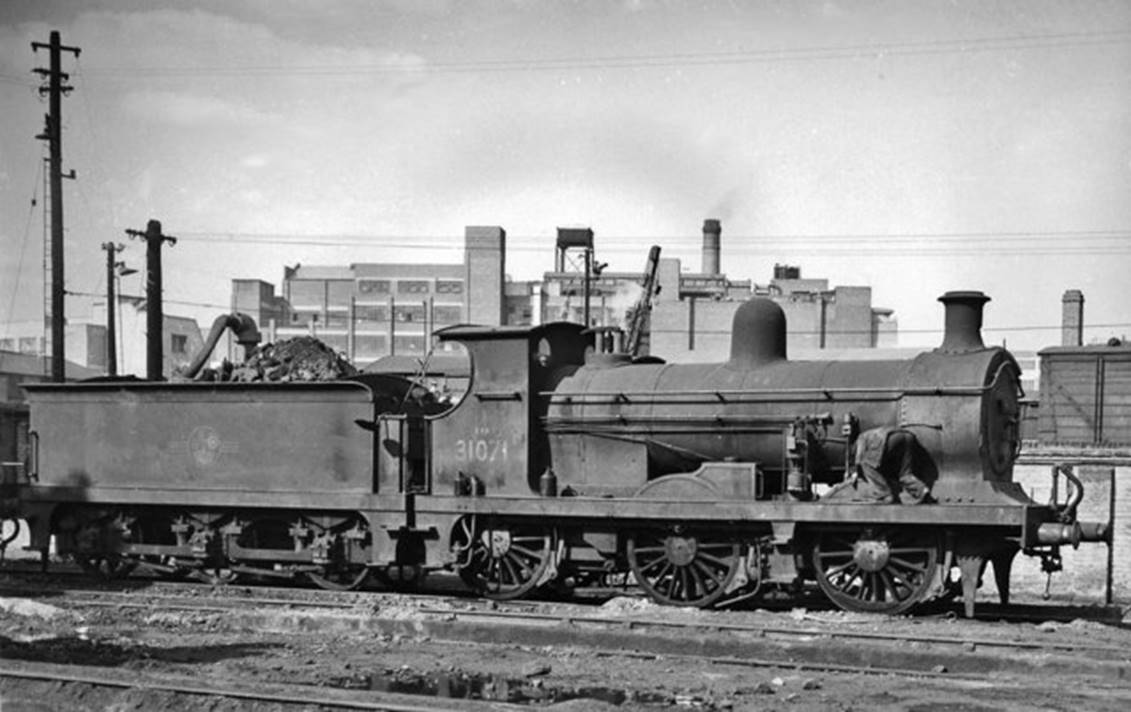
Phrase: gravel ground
(210,648)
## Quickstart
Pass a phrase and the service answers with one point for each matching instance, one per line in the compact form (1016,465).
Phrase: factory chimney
(712,229)
(1072,318)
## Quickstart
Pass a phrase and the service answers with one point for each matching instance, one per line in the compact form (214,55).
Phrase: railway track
(64,575)
(720,636)
(974,659)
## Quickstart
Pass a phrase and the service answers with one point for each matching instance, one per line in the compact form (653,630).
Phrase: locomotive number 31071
(481,449)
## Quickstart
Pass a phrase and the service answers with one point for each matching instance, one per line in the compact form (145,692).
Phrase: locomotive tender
(560,465)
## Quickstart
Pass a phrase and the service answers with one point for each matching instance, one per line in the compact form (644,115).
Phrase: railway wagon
(560,465)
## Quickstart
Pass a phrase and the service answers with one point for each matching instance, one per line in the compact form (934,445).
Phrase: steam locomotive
(563,464)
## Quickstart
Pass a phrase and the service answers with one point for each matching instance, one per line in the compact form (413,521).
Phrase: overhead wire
(23,245)
(669,59)
(1027,243)
(799,332)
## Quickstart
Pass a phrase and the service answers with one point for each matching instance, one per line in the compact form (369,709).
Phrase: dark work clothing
(884,469)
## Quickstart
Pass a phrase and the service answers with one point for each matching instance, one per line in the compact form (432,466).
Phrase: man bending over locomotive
(884,471)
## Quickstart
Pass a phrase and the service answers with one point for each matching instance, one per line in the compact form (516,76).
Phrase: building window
(410,312)
(307,292)
(337,342)
(339,292)
(449,286)
(413,286)
(373,286)
(305,318)
(369,345)
(409,344)
(179,344)
(370,313)
(444,314)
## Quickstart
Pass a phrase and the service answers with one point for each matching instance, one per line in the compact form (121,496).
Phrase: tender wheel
(108,567)
(679,569)
(339,578)
(156,531)
(401,578)
(503,562)
(876,570)
(215,575)
(97,544)
(335,545)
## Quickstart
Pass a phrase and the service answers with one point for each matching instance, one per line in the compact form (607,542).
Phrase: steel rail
(316,697)
(763,631)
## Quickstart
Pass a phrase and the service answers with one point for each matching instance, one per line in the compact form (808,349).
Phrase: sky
(914,147)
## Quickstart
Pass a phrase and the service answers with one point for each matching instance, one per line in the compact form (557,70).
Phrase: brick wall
(1083,578)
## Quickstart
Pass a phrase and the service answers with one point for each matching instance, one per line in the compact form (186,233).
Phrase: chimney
(712,229)
(1072,318)
(963,322)
(485,265)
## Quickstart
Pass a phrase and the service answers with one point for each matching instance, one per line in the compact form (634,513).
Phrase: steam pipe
(1077,496)
(242,326)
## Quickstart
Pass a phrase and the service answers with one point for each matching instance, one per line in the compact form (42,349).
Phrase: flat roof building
(369,310)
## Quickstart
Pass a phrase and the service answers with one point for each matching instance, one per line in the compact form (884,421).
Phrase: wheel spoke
(508,565)
(716,575)
(881,571)
(681,578)
(713,559)
(667,575)
(704,570)
(653,564)
(504,563)
(697,578)
(908,565)
(529,553)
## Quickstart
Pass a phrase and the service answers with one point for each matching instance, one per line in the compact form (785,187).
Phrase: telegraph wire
(347,238)
(1020,244)
(828,332)
(10,79)
(770,55)
(24,243)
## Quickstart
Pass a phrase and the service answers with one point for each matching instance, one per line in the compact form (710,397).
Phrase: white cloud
(255,160)
(188,109)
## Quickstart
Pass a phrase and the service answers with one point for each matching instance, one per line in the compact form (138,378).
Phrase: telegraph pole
(53,134)
(111,306)
(154,317)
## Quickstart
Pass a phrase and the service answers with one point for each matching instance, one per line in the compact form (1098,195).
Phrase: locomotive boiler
(797,420)
(561,466)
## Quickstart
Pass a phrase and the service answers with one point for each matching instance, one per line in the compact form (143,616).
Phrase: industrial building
(371,310)
(86,337)
(696,325)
